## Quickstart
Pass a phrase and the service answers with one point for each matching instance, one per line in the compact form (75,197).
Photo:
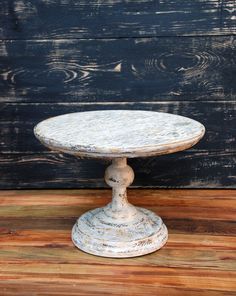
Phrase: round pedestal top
(119,133)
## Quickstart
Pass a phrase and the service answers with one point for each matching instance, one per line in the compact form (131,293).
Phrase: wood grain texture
(211,163)
(119,229)
(170,56)
(115,18)
(194,169)
(18,120)
(118,70)
(119,133)
(37,256)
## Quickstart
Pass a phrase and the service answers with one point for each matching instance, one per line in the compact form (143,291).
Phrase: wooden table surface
(37,256)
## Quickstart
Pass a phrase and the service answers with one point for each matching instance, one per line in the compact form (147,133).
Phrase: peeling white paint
(117,68)
(119,229)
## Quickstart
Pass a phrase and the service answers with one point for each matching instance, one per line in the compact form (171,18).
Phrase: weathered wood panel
(18,120)
(64,56)
(111,70)
(193,169)
(38,257)
(97,198)
(115,18)
(211,163)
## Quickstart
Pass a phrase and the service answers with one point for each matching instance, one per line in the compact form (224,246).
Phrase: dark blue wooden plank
(118,70)
(20,19)
(17,121)
(181,170)
(43,76)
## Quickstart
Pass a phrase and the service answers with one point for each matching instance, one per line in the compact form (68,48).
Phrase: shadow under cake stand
(119,229)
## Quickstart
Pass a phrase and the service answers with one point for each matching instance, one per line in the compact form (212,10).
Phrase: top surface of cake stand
(119,133)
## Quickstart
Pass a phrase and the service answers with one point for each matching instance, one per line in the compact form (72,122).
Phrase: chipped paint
(119,229)
(119,133)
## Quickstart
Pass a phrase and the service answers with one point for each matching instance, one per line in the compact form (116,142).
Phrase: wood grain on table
(37,256)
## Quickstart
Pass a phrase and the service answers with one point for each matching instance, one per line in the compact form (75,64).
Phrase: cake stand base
(119,229)
(94,233)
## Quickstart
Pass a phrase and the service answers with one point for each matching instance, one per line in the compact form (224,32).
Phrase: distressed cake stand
(119,229)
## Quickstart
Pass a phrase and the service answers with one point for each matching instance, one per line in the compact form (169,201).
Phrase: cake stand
(119,229)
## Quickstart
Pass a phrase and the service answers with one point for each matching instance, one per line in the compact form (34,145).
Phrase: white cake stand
(119,229)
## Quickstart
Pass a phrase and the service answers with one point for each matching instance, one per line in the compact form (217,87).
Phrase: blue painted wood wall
(66,56)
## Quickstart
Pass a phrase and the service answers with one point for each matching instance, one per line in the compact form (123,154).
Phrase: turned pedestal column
(119,229)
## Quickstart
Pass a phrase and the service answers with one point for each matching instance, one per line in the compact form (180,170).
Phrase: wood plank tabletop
(37,256)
